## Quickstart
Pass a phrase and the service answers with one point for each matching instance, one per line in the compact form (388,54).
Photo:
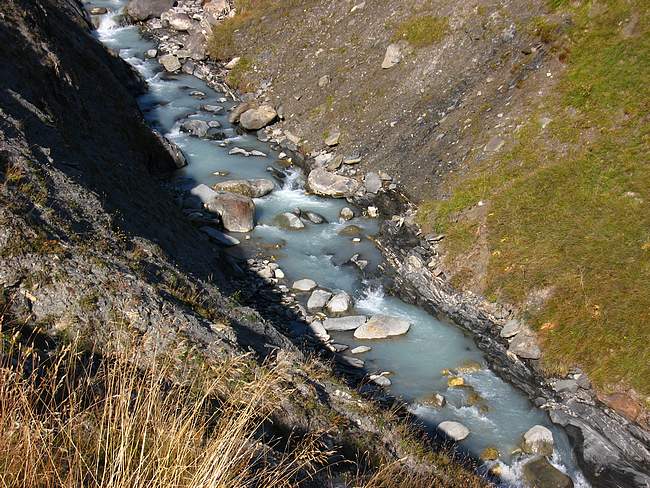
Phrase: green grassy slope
(569,203)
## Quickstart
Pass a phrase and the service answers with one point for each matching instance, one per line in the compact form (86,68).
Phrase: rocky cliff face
(91,246)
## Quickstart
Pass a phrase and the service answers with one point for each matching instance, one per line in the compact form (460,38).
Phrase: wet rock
(255,188)
(213,109)
(435,400)
(328,184)
(219,237)
(538,472)
(333,138)
(352,322)
(511,329)
(98,10)
(238,151)
(170,62)
(490,454)
(289,221)
(358,262)
(314,217)
(151,53)
(339,304)
(256,118)
(361,349)
(349,361)
(340,347)
(351,231)
(380,380)
(179,22)
(346,214)
(304,285)
(538,440)
(237,211)
(318,300)
(381,327)
(525,346)
(373,183)
(454,430)
(456,381)
(174,151)
(142,10)
(392,57)
(197,128)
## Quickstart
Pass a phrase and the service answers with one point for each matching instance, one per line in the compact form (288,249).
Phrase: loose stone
(304,285)
(318,300)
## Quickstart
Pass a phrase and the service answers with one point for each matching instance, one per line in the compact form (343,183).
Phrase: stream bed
(499,414)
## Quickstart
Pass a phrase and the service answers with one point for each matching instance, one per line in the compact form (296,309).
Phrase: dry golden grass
(82,422)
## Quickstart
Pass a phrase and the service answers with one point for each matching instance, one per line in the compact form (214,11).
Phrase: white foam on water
(373,299)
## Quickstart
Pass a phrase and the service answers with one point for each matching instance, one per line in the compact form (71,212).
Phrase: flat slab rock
(381,327)
(352,322)
(304,285)
(219,237)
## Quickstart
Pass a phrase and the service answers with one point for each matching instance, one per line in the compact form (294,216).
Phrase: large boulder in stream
(381,327)
(142,10)
(454,430)
(339,304)
(539,473)
(538,440)
(256,118)
(328,184)
(237,211)
(255,188)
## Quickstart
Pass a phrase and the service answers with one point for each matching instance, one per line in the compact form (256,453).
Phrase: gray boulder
(360,349)
(256,118)
(346,214)
(304,285)
(525,346)
(317,330)
(256,188)
(538,472)
(236,112)
(511,329)
(289,221)
(313,217)
(318,300)
(142,10)
(339,304)
(352,322)
(174,151)
(381,327)
(538,440)
(196,45)
(328,184)
(372,182)
(237,211)
(170,62)
(454,430)
(195,127)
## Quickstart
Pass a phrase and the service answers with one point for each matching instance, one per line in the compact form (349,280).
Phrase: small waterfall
(295,180)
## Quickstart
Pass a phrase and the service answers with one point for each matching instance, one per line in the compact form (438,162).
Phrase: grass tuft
(422,30)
